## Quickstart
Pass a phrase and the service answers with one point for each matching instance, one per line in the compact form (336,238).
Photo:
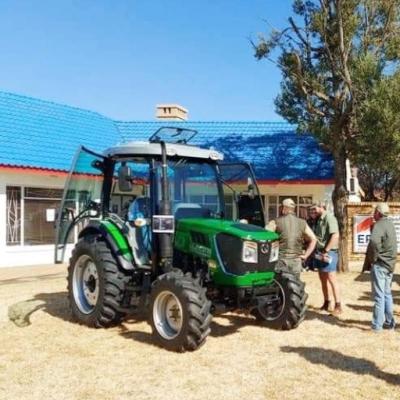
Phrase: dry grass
(325,358)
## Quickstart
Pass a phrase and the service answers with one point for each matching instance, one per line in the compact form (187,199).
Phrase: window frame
(22,189)
(277,203)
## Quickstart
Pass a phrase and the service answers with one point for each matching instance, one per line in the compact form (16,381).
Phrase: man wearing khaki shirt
(293,231)
(327,233)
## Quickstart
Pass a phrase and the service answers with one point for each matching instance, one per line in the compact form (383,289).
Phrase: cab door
(241,195)
(81,199)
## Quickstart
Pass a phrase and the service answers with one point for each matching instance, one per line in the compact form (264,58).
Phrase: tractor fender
(114,238)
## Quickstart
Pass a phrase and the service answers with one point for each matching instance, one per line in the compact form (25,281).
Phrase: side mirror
(250,188)
(250,191)
(125,178)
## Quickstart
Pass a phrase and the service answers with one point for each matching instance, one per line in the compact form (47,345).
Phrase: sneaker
(389,325)
(325,306)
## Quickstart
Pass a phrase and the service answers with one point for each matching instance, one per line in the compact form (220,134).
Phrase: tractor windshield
(241,195)
(194,189)
(203,189)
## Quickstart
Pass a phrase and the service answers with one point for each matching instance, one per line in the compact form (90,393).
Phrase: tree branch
(343,53)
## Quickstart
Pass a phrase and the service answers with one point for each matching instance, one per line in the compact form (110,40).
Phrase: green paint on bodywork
(248,280)
(210,225)
(188,230)
(119,239)
(200,250)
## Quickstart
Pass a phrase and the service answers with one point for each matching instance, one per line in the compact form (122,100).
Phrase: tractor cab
(131,186)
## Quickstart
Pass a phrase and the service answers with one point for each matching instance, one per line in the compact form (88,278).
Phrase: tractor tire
(179,312)
(288,311)
(96,284)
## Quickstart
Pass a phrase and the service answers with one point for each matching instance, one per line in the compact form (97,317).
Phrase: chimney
(172,112)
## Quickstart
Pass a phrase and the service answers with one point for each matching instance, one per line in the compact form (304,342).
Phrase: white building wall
(44,254)
(318,192)
(25,255)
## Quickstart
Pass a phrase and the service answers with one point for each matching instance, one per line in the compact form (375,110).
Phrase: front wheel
(286,307)
(96,284)
(179,312)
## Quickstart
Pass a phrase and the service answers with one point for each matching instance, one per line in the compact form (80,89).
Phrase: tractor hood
(214,226)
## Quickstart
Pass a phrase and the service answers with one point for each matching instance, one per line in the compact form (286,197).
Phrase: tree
(326,54)
(378,154)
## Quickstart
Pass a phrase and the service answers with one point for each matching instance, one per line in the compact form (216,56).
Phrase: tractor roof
(154,149)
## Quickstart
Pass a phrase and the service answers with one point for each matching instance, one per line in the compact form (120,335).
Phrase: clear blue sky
(122,57)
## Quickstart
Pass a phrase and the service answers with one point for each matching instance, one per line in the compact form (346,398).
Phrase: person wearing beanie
(381,259)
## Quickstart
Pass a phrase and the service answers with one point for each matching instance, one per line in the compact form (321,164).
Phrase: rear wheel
(287,307)
(96,285)
(179,312)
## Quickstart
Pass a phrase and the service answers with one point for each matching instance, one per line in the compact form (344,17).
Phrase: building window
(39,215)
(31,215)
(13,215)
(302,204)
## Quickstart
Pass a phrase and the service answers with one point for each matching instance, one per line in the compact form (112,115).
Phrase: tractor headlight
(274,255)
(250,252)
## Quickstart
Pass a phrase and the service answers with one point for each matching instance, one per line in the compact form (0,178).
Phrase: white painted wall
(318,192)
(25,255)
(44,254)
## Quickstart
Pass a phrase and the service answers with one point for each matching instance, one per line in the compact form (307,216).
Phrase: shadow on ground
(362,325)
(55,304)
(359,307)
(366,277)
(366,296)
(138,336)
(363,277)
(236,322)
(337,361)
(33,278)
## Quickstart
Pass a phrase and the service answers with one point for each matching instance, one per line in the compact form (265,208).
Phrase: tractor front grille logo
(265,248)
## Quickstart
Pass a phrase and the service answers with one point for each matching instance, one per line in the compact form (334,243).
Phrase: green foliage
(339,61)
(332,54)
(378,151)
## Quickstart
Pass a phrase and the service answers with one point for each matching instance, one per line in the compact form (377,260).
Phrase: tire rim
(167,315)
(85,284)
(276,305)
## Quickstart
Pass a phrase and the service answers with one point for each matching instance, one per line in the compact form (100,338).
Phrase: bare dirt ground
(325,358)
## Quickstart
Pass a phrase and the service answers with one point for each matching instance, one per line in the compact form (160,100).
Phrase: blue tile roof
(43,134)
(275,149)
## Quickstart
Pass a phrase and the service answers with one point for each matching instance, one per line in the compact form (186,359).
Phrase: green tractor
(167,229)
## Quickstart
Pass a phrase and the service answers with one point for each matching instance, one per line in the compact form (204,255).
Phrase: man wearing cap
(381,259)
(327,233)
(293,231)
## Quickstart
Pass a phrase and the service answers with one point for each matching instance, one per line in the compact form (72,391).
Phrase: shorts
(328,267)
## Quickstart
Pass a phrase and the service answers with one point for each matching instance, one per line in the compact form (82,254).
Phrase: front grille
(200,238)
(230,251)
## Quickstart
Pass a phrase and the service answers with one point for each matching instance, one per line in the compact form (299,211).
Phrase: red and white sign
(362,231)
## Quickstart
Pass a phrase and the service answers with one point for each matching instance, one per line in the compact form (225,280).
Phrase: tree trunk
(339,199)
